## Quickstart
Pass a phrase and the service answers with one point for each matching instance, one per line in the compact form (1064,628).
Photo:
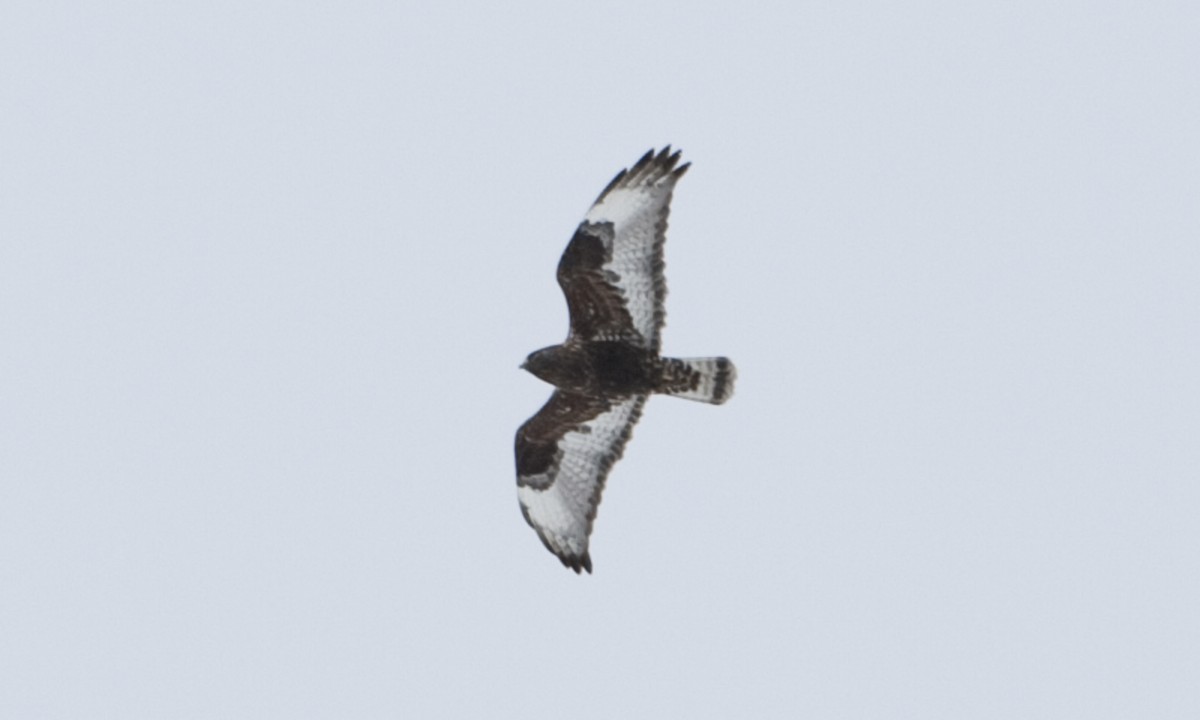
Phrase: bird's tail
(707,380)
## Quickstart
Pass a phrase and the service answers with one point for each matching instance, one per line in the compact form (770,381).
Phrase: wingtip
(651,167)
(578,563)
(667,160)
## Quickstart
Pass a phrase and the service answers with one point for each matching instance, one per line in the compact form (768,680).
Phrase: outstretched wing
(612,270)
(564,453)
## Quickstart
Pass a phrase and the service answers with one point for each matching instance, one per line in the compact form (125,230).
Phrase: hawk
(612,276)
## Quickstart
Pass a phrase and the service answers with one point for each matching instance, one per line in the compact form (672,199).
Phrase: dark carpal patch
(537,448)
(587,251)
(534,461)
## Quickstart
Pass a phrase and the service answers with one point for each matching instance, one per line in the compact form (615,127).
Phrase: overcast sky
(267,271)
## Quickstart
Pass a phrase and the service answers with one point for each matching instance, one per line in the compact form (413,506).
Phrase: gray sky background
(267,271)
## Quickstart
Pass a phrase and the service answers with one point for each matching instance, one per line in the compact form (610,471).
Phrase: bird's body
(609,368)
(612,276)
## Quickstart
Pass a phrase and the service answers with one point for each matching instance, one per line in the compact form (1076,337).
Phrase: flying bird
(612,276)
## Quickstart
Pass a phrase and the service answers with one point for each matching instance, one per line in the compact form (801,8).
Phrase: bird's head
(548,364)
(538,360)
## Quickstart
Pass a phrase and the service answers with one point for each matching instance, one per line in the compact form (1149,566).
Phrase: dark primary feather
(661,164)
